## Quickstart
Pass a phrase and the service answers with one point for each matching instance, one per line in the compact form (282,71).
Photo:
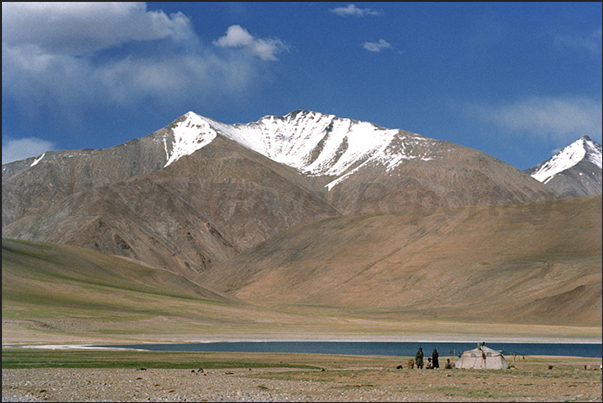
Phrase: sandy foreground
(337,381)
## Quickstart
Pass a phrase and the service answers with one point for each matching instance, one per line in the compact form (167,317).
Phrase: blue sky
(515,80)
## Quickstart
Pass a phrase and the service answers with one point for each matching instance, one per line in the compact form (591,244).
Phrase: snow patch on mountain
(313,143)
(581,149)
(37,160)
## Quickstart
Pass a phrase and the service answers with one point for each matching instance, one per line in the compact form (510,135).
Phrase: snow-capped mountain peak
(312,142)
(582,149)
(191,133)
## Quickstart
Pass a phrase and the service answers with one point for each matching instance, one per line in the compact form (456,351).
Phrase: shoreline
(116,345)
(336,339)
(148,339)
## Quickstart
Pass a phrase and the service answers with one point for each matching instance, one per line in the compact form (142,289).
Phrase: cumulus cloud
(352,11)
(238,37)
(558,119)
(377,46)
(83,28)
(19,149)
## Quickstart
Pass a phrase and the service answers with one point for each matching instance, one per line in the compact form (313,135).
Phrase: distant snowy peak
(312,142)
(582,149)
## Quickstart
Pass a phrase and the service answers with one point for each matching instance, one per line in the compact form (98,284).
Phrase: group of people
(432,362)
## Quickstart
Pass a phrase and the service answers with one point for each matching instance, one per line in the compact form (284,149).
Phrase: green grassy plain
(61,358)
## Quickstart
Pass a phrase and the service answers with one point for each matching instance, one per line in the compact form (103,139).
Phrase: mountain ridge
(237,185)
(298,139)
(329,151)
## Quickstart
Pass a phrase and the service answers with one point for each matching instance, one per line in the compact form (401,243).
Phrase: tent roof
(481,358)
(485,350)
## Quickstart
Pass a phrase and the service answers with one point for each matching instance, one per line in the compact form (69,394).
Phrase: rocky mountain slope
(201,209)
(574,171)
(536,262)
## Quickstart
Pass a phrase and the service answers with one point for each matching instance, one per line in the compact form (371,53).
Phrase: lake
(376,348)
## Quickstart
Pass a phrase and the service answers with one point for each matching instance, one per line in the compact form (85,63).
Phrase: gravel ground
(294,385)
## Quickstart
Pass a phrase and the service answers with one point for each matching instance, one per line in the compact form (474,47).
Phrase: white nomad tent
(482,357)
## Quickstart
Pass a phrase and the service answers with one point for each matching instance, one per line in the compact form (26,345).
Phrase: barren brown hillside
(204,208)
(535,263)
(456,176)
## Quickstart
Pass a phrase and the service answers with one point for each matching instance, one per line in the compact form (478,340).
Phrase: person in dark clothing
(434,358)
(419,358)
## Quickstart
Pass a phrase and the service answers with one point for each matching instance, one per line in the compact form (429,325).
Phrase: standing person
(434,358)
(419,358)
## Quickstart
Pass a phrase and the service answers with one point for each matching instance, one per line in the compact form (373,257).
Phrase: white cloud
(83,28)
(377,46)
(58,59)
(591,43)
(238,37)
(558,119)
(352,11)
(19,149)
(235,37)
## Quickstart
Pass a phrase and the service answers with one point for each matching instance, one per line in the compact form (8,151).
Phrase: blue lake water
(378,348)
